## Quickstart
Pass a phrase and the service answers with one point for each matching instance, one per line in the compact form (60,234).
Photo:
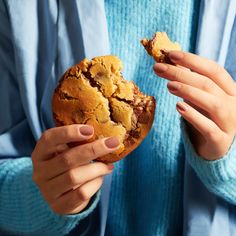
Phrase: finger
(194,95)
(182,67)
(205,67)
(54,139)
(211,105)
(73,201)
(208,147)
(204,125)
(174,73)
(77,156)
(76,177)
(205,101)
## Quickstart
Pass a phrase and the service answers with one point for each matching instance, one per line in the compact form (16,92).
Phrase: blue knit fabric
(146,194)
(29,212)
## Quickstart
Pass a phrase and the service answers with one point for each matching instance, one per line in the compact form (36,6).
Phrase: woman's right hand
(67,177)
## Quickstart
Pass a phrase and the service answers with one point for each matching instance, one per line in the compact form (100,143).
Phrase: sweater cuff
(218,176)
(20,194)
(68,222)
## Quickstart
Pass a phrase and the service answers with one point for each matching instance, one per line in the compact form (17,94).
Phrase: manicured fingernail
(86,130)
(176,55)
(160,68)
(181,107)
(173,86)
(112,142)
(111,166)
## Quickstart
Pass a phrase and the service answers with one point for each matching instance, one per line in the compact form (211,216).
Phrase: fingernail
(173,86)
(86,130)
(160,67)
(181,107)
(175,55)
(110,167)
(112,142)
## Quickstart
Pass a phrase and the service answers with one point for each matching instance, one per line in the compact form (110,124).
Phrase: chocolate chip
(100,74)
(135,133)
(143,118)
(137,112)
(129,141)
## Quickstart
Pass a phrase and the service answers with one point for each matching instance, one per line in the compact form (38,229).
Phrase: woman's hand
(210,101)
(65,176)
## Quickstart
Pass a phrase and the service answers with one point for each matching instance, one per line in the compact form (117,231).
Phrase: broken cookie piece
(95,93)
(158,47)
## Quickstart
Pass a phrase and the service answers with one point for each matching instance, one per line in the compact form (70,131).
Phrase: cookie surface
(95,93)
(159,45)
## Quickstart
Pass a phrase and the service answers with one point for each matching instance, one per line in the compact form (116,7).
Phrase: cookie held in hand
(158,47)
(95,93)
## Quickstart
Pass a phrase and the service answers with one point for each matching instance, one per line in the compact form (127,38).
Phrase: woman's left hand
(209,105)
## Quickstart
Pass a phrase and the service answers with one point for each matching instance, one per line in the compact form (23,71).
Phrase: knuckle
(45,137)
(207,85)
(67,131)
(71,131)
(217,69)
(83,194)
(217,107)
(71,177)
(66,160)
(61,148)
(92,150)
(213,134)
(178,75)
(223,117)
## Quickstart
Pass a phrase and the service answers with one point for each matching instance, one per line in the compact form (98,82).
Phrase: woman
(154,191)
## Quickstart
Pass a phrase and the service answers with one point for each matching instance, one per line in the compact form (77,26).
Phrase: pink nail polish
(181,107)
(160,68)
(112,142)
(111,166)
(176,55)
(173,86)
(86,130)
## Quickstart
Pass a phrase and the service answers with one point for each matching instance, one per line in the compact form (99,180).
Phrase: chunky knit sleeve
(23,209)
(218,176)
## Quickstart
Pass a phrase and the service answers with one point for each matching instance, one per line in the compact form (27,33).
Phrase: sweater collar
(94,27)
(216,21)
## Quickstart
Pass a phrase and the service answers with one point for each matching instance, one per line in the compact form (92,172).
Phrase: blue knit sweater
(146,194)
(39,41)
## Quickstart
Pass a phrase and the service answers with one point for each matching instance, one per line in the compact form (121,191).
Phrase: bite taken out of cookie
(95,93)
(159,46)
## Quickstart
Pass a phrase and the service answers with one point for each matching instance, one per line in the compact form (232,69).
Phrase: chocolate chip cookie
(95,93)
